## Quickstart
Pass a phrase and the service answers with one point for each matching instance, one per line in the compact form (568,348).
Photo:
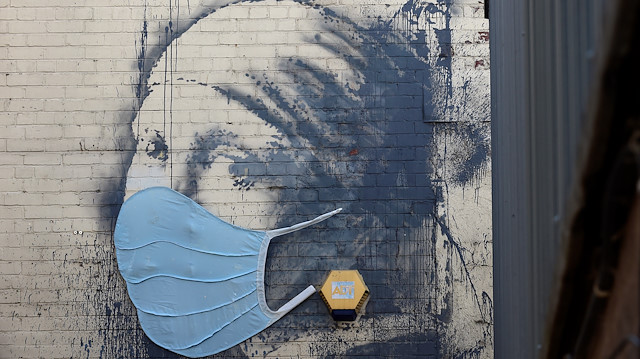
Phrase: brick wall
(267,113)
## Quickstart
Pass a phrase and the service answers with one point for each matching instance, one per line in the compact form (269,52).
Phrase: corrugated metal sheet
(542,58)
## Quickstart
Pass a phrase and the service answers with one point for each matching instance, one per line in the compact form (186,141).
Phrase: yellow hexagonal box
(344,292)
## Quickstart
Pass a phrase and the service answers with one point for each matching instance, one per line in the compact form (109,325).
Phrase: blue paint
(476,160)
(160,149)
(197,282)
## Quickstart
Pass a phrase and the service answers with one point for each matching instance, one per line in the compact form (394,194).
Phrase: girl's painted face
(240,118)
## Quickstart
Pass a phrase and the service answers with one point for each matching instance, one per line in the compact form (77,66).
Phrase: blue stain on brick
(317,250)
(476,160)
(302,195)
(254,169)
(157,147)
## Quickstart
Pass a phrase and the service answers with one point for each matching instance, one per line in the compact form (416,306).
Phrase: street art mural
(261,128)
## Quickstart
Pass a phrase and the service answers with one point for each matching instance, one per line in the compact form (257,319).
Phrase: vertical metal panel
(511,180)
(541,57)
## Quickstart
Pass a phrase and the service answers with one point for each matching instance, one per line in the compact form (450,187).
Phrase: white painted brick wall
(68,70)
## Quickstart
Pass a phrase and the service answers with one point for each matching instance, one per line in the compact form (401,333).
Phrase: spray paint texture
(367,116)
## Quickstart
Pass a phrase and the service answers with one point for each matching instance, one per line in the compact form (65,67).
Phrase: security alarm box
(345,293)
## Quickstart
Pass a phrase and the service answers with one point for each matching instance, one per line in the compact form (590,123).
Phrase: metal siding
(542,57)
(511,179)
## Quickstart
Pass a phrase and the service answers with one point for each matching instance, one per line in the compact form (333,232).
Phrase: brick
(9,296)
(21,145)
(10,268)
(67,79)
(14,199)
(45,40)
(287,25)
(278,12)
(22,27)
(11,212)
(25,52)
(238,12)
(66,26)
(43,131)
(17,79)
(45,92)
(24,172)
(12,132)
(261,25)
(7,172)
(66,52)
(258,12)
(8,13)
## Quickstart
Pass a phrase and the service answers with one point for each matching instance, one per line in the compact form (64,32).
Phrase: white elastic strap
(296,301)
(262,258)
(278,232)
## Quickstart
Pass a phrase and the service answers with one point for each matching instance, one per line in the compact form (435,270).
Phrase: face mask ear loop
(296,301)
(296,227)
(302,296)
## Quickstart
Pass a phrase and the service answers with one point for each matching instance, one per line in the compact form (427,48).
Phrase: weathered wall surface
(266,113)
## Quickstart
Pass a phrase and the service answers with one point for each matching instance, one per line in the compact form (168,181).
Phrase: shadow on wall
(353,131)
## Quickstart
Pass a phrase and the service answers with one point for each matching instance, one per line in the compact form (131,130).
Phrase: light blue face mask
(196,281)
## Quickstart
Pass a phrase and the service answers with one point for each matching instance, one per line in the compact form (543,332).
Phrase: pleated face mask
(197,282)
